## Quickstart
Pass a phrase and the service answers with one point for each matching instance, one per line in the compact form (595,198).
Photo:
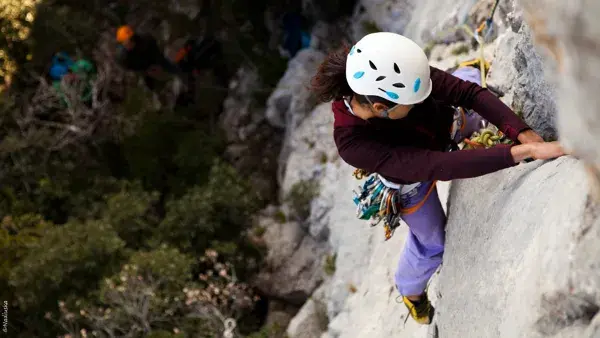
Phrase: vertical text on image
(5,316)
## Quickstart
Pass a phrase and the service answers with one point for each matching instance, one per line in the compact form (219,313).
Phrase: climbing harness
(379,200)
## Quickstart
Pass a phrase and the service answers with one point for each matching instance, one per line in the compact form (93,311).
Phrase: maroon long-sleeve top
(412,149)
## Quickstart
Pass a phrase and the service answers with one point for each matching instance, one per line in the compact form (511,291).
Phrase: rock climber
(393,117)
(60,66)
(140,52)
(75,74)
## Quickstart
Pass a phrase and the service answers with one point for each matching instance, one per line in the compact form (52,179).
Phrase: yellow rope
(486,138)
(482,60)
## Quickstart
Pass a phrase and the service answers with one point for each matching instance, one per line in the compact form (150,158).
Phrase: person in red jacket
(393,118)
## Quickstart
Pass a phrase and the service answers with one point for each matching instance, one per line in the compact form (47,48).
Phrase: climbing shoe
(421,311)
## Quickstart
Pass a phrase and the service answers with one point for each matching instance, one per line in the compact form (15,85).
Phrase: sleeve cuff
(508,158)
(513,133)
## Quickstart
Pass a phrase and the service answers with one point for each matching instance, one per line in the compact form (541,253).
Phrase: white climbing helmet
(391,66)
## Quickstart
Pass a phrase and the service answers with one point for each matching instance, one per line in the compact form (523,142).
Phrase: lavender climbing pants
(422,211)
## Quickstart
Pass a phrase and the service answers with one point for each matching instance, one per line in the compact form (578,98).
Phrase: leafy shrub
(169,153)
(154,294)
(69,259)
(220,210)
(17,236)
(131,213)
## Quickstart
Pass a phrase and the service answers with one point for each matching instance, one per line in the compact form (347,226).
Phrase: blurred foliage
(210,212)
(128,222)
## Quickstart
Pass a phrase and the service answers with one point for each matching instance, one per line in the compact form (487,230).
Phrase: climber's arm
(454,91)
(410,164)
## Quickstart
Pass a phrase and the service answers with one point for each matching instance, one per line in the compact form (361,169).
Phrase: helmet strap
(384,114)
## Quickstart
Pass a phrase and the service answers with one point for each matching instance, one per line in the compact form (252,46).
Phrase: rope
(481,57)
(486,24)
(486,138)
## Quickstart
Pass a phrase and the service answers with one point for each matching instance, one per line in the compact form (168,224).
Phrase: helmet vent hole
(358,50)
(380,78)
(396,68)
(398,85)
(372,65)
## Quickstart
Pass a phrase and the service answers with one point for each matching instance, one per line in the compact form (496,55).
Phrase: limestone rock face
(508,262)
(522,243)
(567,35)
(292,100)
(518,70)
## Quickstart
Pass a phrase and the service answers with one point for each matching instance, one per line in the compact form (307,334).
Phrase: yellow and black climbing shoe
(421,311)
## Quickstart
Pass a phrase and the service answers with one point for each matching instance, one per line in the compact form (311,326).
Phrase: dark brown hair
(330,81)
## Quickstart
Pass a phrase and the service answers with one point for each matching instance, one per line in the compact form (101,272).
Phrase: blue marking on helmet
(358,75)
(417,84)
(392,95)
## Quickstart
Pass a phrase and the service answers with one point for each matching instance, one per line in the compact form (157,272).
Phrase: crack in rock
(561,310)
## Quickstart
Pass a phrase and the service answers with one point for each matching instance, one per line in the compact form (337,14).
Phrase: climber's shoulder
(343,118)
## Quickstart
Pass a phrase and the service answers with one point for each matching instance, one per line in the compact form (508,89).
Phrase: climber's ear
(379,107)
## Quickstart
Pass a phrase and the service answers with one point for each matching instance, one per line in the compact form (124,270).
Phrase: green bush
(131,213)
(167,265)
(73,214)
(220,211)
(17,236)
(170,153)
(68,260)
(270,331)
(154,294)
(145,295)
(165,334)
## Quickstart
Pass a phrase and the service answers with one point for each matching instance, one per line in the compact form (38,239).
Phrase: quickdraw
(376,202)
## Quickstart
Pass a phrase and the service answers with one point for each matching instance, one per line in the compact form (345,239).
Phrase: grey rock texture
(510,239)
(567,32)
(294,264)
(519,74)
(311,321)
(248,133)
(291,101)
(522,244)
